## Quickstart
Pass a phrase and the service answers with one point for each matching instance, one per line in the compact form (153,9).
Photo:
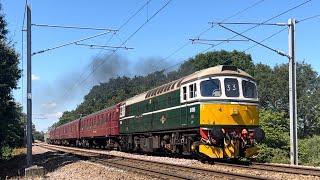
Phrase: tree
(273,92)
(273,86)
(201,61)
(11,129)
(275,147)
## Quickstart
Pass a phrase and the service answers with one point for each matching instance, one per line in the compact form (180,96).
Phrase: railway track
(152,168)
(276,168)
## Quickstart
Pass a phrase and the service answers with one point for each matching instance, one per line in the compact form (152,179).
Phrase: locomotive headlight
(235,112)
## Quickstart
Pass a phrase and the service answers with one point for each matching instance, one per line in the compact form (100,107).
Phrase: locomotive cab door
(183,106)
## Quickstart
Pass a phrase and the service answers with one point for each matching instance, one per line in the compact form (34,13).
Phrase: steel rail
(276,168)
(149,163)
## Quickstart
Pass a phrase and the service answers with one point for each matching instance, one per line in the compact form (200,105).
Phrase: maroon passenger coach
(100,129)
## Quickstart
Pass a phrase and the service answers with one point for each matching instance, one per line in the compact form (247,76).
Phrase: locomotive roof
(217,70)
(174,85)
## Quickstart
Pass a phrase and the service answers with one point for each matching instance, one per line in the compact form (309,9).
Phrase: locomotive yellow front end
(228,114)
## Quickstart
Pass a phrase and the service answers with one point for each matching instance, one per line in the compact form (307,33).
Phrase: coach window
(87,124)
(231,87)
(210,88)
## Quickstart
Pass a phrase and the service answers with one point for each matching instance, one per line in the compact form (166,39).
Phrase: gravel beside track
(280,168)
(172,171)
(83,170)
(287,168)
(195,163)
(257,172)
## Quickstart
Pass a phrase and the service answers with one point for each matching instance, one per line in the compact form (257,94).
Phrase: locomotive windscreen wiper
(215,90)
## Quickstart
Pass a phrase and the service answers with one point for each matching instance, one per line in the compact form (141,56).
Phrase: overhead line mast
(29,95)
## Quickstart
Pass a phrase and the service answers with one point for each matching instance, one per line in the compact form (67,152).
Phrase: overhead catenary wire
(252,23)
(278,32)
(206,30)
(67,44)
(99,65)
(198,39)
(277,51)
(266,39)
(84,70)
(96,45)
(259,24)
(74,27)
(284,12)
(312,17)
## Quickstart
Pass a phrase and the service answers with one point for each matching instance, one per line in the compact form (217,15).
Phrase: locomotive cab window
(249,89)
(231,86)
(210,88)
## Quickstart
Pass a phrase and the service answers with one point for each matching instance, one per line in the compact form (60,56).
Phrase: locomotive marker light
(292,80)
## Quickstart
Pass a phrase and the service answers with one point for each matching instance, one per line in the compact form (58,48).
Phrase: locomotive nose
(258,135)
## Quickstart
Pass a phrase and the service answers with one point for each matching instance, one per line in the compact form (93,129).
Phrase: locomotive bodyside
(212,112)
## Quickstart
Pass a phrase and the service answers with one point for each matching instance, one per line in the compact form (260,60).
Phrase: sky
(156,37)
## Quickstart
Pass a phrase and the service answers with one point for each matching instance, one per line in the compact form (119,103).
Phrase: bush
(272,155)
(309,153)
(6,152)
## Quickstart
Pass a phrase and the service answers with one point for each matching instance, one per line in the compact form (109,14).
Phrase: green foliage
(309,153)
(11,124)
(275,147)
(272,155)
(273,86)
(5,152)
(273,91)
(276,127)
(38,135)
(201,61)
